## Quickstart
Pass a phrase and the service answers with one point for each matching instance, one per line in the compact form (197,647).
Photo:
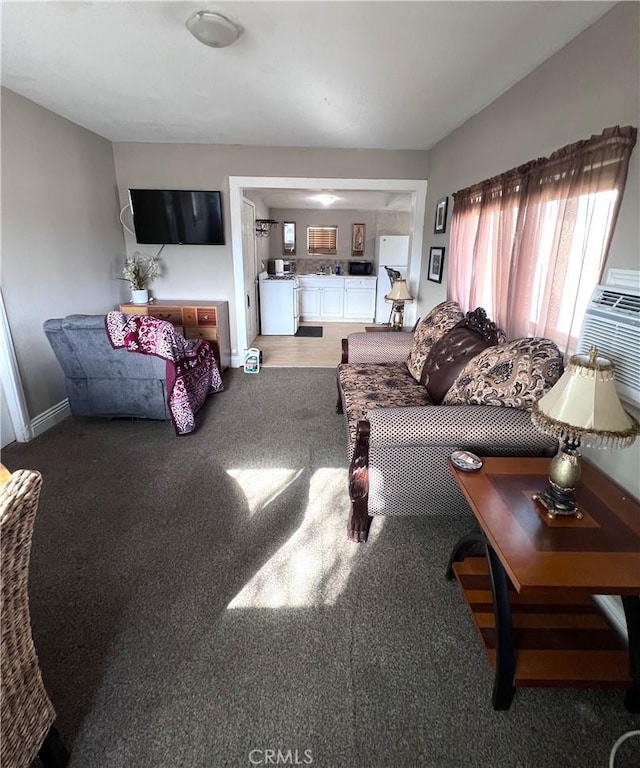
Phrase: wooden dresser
(194,319)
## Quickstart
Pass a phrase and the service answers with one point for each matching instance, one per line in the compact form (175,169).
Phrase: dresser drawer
(208,334)
(208,316)
(191,332)
(189,316)
(360,283)
(172,314)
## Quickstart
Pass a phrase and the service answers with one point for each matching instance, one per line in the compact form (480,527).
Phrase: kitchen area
(319,290)
(319,261)
(286,298)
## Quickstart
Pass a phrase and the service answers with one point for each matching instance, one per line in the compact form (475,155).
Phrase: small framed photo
(440,224)
(357,240)
(436,262)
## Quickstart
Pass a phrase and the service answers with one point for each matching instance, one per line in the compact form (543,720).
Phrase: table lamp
(583,405)
(398,294)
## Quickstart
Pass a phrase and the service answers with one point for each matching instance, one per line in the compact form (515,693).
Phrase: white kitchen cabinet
(359,299)
(321,297)
(333,298)
(332,302)
(309,302)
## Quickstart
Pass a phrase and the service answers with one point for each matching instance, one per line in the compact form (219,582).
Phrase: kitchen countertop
(340,277)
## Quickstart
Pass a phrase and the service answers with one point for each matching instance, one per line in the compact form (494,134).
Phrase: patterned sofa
(410,400)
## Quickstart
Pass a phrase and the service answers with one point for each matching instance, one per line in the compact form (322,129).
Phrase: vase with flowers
(139,271)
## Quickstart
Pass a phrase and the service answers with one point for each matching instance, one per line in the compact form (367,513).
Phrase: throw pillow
(441,319)
(450,355)
(514,374)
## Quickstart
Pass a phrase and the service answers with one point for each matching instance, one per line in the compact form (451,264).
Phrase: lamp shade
(584,401)
(399,291)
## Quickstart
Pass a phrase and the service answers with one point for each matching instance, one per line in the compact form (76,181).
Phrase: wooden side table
(531,594)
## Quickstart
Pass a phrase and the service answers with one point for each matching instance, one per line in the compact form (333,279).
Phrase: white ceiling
(353,200)
(384,75)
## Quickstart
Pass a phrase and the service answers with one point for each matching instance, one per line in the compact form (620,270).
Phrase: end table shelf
(560,640)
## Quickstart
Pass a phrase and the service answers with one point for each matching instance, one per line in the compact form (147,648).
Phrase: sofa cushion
(449,356)
(515,374)
(442,318)
(365,386)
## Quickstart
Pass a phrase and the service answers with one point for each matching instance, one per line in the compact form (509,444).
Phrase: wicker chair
(26,712)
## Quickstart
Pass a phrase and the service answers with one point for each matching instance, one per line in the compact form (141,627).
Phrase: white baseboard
(612,606)
(50,417)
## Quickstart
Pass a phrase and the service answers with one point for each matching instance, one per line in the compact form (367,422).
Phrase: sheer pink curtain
(464,227)
(484,222)
(565,230)
(530,245)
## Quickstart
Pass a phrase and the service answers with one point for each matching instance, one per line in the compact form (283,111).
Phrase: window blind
(322,240)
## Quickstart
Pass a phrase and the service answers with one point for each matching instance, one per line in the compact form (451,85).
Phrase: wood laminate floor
(296,352)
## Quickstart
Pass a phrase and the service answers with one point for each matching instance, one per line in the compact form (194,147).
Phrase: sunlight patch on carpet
(314,565)
(262,486)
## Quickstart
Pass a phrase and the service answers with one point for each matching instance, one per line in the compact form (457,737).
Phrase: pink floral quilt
(192,370)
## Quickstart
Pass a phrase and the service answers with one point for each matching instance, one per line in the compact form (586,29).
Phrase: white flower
(140,270)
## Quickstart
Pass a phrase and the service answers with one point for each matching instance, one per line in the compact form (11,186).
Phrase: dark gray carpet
(310,331)
(195,599)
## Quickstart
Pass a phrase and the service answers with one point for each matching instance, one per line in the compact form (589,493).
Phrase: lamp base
(558,501)
(558,498)
(397,316)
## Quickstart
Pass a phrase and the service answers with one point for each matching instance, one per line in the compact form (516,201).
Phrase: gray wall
(206,272)
(591,84)
(62,243)
(376,223)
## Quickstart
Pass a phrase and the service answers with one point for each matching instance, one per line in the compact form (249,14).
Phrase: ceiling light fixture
(325,199)
(213,29)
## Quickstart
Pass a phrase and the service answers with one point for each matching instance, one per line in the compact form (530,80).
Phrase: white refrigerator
(391,251)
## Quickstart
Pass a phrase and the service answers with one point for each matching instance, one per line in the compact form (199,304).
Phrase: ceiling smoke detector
(213,29)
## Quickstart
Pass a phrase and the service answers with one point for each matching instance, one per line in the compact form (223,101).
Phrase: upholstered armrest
(377,347)
(485,429)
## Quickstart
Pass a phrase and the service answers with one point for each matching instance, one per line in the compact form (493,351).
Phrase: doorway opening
(416,188)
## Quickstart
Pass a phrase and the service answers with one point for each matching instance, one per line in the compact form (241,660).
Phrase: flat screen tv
(177,216)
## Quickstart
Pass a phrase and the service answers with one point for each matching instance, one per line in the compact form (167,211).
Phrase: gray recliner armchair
(101,380)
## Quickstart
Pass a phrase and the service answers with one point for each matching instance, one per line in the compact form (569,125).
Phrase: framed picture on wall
(440,225)
(357,240)
(436,262)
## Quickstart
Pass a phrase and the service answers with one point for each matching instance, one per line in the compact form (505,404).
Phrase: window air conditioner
(612,324)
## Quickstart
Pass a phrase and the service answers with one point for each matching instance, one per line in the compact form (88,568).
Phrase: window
(322,240)
(586,230)
(530,245)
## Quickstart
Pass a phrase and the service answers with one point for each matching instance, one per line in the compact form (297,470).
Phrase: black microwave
(360,267)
